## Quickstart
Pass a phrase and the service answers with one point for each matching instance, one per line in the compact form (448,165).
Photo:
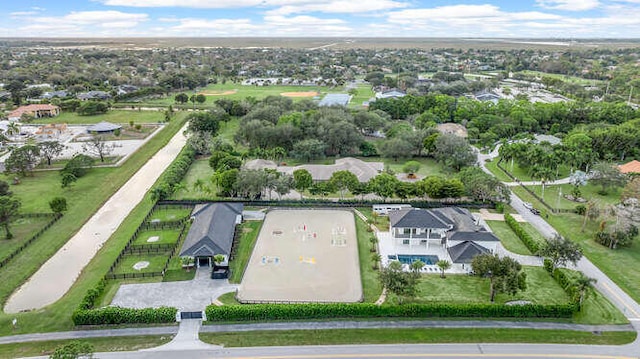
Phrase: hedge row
(89,300)
(174,173)
(566,282)
(118,315)
(525,237)
(261,312)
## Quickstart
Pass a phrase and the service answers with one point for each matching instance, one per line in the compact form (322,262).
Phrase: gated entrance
(190,315)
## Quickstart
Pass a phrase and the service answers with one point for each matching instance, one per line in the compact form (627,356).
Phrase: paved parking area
(193,295)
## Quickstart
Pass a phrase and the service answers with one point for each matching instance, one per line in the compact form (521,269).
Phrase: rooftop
(335,99)
(630,167)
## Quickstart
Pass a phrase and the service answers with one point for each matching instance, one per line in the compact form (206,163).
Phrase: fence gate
(190,315)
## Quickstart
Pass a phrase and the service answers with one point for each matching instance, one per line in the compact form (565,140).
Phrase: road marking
(434,355)
(624,304)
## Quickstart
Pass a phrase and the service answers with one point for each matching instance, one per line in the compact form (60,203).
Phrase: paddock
(304,255)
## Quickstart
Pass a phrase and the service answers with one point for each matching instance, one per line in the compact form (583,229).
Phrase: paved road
(59,273)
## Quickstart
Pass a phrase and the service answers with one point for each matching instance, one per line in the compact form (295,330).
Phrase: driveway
(190,296)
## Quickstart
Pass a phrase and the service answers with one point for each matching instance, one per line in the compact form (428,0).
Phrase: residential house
(391,93)
(632,167)
(34,110)
(94,95)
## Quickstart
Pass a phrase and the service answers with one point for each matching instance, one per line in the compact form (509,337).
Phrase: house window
(406,230)
(405,241)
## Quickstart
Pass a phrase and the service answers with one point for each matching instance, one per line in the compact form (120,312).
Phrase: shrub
(119,315)
(369,310)
(174,174)
(500,207)
(528,241)
(580,209)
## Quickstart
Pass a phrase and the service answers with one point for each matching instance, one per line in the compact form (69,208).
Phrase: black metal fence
(533,194)
(28,242)
(331,203)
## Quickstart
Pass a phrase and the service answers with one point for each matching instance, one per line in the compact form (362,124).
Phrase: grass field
(199,170)
(165,236)
(114,116)
(554,195)
(520,173)
(22,229)
(156,263)
(618,264)
(566,78)
(170,214)
(508,238)
(462,288)
(228,298)
(84,198)
(414,336)
(112,344)
(493,167)
(371,288)
(249,234)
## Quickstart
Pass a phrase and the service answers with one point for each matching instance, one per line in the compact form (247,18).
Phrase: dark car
(534,211)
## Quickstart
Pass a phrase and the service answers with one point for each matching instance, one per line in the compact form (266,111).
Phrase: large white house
(429,235)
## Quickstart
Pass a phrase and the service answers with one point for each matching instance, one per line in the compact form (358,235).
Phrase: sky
(553,19)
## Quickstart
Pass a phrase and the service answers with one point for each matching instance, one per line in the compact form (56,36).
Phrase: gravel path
(59,273)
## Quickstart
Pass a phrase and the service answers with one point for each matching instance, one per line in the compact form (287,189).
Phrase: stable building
(211,233)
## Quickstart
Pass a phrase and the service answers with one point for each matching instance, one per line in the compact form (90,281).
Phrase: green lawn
(165,236)
(554,195)
(521,173)
(428,166)
(566,78)
(381,222)
(421,335)
(463,288)
(618,264)
(493,167)
(228,298)
(365,92)
(168,214)
(84,198)
(22,229)
(156,263)
(370,283)
(199,170)
(112,344)
(114,116)
(508,238)
(248,235)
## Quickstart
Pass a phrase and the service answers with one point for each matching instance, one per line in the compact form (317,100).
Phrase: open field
(110,344)
(84,198)
(566,78)
(319,246)
(22,229)
(463,288)
(169,214)
(114,116)
(554,195)
(164,236)
(508,238)
(618,264)
(155,263)
(414,336)
(248,232)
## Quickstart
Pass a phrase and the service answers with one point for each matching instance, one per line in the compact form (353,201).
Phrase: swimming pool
(427,259)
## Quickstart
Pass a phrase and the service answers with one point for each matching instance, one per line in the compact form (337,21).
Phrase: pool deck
(388,248)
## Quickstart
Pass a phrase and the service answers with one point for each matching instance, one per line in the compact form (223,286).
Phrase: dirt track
(59,273)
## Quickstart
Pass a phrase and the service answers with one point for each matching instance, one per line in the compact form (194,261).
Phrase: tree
(182,98)
(443,264)
(343,181)
(453,151)
(307,150)
(23,159)
(505,274)
(396,148)
(9,208)
(58,205)
(401,283)
(375,259)
(98,146)
(374,241)
(384,185)
(416,266)
(73,350)
(4,189)
(78,165)
(226,182)
(410,168)
(302,179)
(218,258)
(203,122)
(632,189)
(560,251)
(200,98)
(583,285)
(50,149)
(607,175)
(91,108)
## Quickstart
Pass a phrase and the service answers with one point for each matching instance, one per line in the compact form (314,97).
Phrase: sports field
(304,256)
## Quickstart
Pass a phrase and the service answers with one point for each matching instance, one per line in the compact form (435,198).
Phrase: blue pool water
(410,258)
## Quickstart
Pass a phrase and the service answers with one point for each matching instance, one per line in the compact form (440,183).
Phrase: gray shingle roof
(103,127)
(465,251)
(474,236)
(212,229)
(418,218)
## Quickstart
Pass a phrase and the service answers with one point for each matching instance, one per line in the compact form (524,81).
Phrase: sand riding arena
(300,94)
(219,93)
(304,256)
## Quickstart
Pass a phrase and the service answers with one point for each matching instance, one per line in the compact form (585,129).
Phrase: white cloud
(339,6)
(569,5)
(203,4)
(83,23)
(22,13)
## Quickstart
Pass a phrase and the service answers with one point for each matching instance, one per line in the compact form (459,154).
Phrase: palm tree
(443,264)
(375,258)
(583,284)
(416,266)
(13,129)
(218,258)
(373,240)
